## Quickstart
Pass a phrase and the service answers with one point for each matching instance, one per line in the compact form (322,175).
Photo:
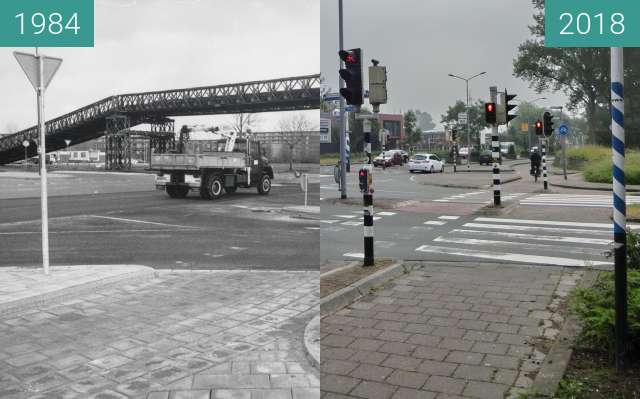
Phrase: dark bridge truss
(90,122)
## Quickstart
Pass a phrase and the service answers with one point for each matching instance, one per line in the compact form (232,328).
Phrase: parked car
(486,158)
(388,158)
(426,163)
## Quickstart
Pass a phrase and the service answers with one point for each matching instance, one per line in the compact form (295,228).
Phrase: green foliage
(424,120)
(595,307)
(412,133)
(571,389)
(511,152)
(633,249)
(476,121)
(600,170)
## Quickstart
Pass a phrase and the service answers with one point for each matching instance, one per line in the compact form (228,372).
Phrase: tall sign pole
(619,204)
(40,70)
(495,150)
(343,122)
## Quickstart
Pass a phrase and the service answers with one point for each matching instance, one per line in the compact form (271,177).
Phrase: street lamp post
(467,111)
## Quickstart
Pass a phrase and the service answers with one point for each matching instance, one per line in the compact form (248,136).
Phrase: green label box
(46,23)
(592,23)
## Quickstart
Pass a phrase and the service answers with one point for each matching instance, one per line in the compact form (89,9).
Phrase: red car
(388,158)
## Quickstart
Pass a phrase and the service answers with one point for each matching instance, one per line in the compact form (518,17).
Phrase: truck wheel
(230,190)
(177,191)
(264,186)
(214,187)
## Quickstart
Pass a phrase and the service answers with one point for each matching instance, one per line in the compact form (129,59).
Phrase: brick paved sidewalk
(444,331)
(181,335)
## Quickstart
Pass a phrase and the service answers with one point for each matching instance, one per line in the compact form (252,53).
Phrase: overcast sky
(421,41)
(143,45)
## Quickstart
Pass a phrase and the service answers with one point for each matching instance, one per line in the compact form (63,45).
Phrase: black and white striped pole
(367,196)
(495,149)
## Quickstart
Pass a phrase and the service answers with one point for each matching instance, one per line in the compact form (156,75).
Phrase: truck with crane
(212,167)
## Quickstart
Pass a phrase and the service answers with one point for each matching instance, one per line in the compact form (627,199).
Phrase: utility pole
(619,205)
(343,122)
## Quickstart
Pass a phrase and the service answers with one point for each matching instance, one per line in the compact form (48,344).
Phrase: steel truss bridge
(113,117)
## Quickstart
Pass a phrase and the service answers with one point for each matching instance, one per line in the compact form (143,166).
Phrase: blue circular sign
(563,130)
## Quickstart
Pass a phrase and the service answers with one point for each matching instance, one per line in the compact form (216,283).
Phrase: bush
(600,171)
(577,157)
(511,153)
(595,308)
(633,249)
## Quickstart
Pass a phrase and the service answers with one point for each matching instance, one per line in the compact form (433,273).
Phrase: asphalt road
(423,222)
(125,225)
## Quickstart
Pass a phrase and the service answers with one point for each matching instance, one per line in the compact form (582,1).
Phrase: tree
(476,120)
(582,74)
(424,120)
(295,126)
(412,133)
(244,123)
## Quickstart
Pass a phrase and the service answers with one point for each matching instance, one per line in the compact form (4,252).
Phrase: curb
(578,187)
(141,274)
(484,186)
(346,296)
(556,361)
(312,341)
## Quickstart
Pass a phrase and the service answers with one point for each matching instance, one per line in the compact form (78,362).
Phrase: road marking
(9,233)
(386,213)
(312,228)
(511,257)
(354,255)
(435,222)
(143,222)
(330,221)
(535,247)
(536,237)
(534,228)
(352,223)
(449,217)
(546,222)
(345,216)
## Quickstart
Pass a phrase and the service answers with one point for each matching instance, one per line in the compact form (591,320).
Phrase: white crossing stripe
(386,213)
(512,257)
(576,200)
(345,216)
(479,197)
(449,217)
(549,242)
(352,223)
(354,255)
(435,222)
(329,221)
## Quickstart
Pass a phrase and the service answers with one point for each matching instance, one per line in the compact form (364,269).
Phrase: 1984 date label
(46,23)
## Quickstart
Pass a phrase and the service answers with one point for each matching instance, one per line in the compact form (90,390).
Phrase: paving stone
(407,379)
(406,363)
(340,367)
(503,362)
(465,357)
(397,348)
(374,390)
(191,394)
(306,393)
(489,347)
(445,384)
(406,393)
(371,372)
(455,344)
(437,368)
(430,353)
(479,373)
(485,390)
(338,383)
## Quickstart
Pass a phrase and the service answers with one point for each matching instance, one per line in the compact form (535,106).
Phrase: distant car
(426,163)
(485,157)
(388,158)
(463,152)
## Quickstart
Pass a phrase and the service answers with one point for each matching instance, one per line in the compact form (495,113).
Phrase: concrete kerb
(346,296)
(588,186)
(481,186)
(556,361)
(312,341)
(137,273)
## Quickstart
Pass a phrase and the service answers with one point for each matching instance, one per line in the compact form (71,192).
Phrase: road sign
(462,118)
(524,127)
(349,108)
(332,97)
(31,67)
(25,143)
(325,130)
(563,130)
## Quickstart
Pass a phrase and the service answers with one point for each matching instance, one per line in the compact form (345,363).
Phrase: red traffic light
(538,125)
(490,107)
(349,57)
(362,173)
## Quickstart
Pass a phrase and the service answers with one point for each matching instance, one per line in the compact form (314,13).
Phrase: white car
(426,163)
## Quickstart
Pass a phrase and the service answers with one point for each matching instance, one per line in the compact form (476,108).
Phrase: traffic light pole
(367,198)
(495,151)
(343,122)
(544,163)
(619,206)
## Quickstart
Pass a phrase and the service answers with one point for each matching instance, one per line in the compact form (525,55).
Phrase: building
(394,124)
(434,140)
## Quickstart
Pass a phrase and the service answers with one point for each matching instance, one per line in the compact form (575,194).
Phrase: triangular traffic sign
(30,65)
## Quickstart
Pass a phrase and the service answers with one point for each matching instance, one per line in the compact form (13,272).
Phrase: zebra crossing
(576,200)
(560,243)
(478,197)
(354,218)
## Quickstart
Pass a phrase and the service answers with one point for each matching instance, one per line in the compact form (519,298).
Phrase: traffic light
(508,107)
(454,134)
(538,127)
(352,75)
(490,113)
(363,179)
(548,123)
(377,84)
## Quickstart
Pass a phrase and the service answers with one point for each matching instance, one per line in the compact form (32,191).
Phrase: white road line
(533,247)
(143,222)
(564,204)
(345,216)
(330,221)
(9,233)
(354,255)
(449,217)
(536,237)
(511,257)
(435,222)
(535,228)
(352,223)
(546,222)
(386,213)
